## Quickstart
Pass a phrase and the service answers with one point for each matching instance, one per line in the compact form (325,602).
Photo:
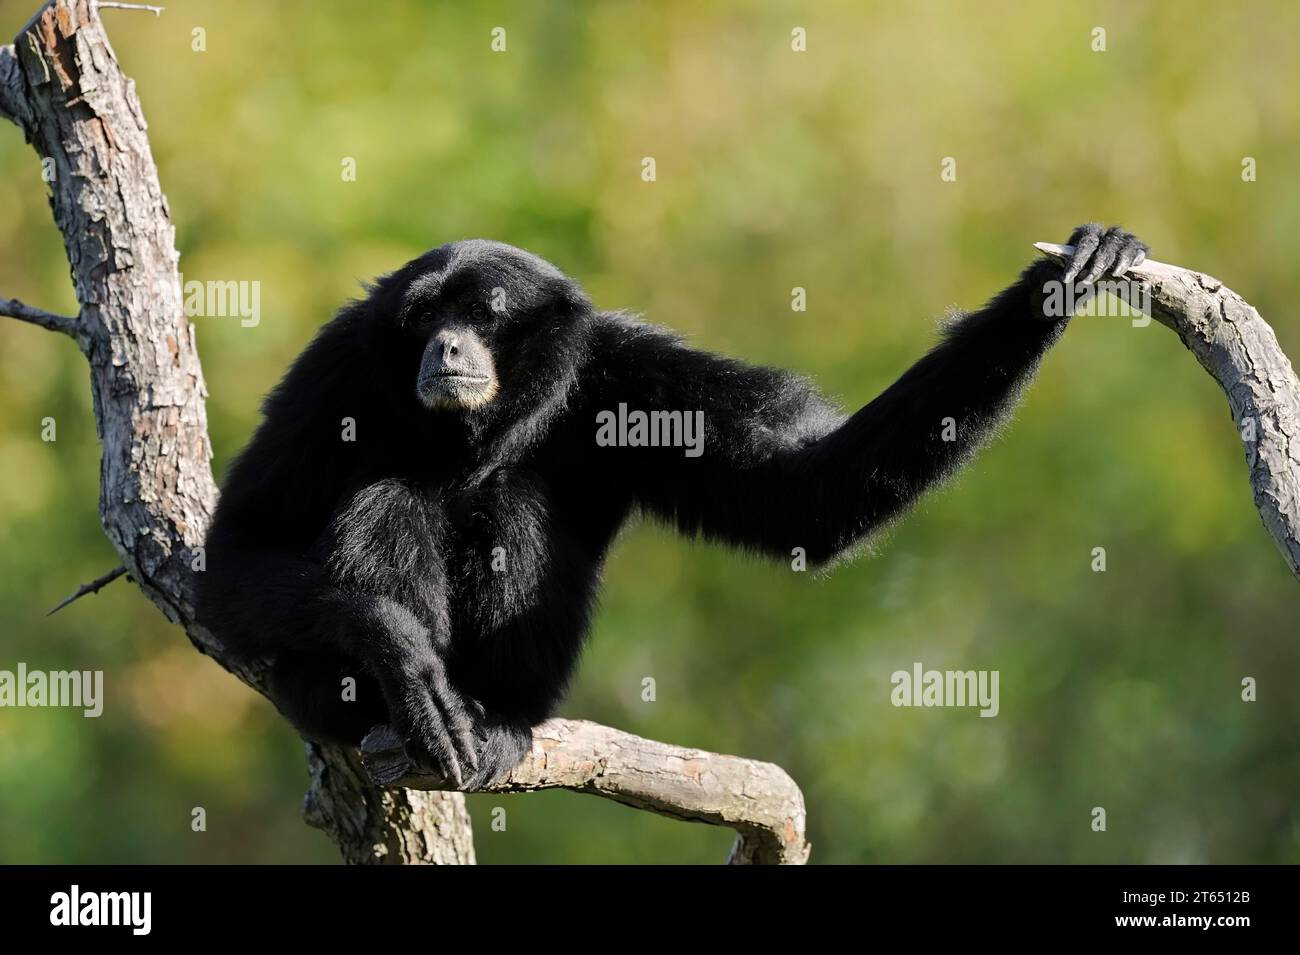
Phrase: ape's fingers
(1128,257)
(1106,255)
(419,719)
(1088,228)
(459,730)
(430,749)
(446,746)
(1084,246)
(452,710)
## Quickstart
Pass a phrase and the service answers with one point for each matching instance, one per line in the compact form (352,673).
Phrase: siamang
(426,508)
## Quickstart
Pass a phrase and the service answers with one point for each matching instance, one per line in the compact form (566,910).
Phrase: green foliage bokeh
(775,169)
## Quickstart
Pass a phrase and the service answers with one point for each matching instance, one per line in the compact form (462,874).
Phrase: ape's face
(456,369)
(473,308)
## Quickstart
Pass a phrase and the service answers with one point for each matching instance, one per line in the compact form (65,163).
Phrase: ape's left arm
(779,469)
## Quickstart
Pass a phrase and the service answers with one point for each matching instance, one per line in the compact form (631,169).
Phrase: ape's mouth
(456,389)
(460,376)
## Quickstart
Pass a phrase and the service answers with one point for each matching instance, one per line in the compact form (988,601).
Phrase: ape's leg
(384,550)
(289,609)
(372,590)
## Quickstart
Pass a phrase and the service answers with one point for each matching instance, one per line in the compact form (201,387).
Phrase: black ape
(426,507)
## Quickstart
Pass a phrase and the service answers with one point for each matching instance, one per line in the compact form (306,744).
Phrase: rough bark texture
(1239,349)
(156,489)
(61,84)
(379,825)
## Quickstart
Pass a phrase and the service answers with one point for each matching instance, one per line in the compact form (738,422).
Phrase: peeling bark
(373,824)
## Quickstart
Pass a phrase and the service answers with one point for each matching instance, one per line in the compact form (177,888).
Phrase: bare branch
(13,308)
(94,587)
(1239,349)
(758,800)
(113,5)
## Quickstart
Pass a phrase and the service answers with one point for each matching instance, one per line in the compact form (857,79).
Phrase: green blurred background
(775,169)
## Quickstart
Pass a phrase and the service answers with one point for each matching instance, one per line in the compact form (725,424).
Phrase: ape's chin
(456,392)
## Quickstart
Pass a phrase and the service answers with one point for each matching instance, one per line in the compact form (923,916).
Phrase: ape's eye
(478,310)
(421,320)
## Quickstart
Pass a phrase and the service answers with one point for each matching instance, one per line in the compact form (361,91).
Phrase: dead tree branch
(94,587)
(64,324)
(1240,351)
(758,800)
(61,84)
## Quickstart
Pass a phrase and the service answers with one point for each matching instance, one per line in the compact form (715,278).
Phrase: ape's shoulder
(337,361)
(610,331)
(646,365)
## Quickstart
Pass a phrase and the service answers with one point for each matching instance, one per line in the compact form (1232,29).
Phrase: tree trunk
(61,83)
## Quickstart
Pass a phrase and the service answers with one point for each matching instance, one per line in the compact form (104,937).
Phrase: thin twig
(156,11)
(25,313)
(94,587)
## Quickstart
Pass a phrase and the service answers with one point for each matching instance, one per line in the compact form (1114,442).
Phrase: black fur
(374,558)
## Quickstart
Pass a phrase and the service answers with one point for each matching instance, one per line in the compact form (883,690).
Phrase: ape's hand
(1102,252)
(434,721)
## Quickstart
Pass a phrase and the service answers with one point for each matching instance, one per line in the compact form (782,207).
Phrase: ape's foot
(384,756)
(500,749)
(1099,252)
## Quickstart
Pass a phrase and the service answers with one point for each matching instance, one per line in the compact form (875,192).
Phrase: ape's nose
(450,345)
